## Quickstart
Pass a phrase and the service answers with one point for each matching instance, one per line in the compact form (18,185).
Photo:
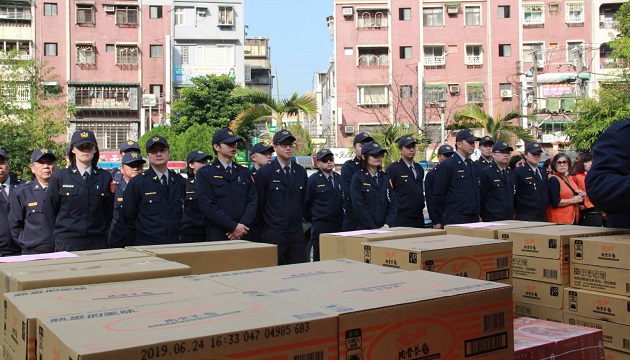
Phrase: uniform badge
(112,186)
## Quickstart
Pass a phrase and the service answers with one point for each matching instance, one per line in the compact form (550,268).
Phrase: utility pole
(535,82)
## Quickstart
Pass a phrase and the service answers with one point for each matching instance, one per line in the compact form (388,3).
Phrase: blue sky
(298,36)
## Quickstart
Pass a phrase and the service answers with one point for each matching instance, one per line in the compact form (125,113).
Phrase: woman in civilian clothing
(564,195)
(589,214)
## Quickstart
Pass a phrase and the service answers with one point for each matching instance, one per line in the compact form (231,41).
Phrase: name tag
(276,181)
(497,180)
(150,193)
(528,178)
(119,199)
(67,186)
(190,192)
(32,203)
(404,176)
(321,185)
(367,184)
(461,171)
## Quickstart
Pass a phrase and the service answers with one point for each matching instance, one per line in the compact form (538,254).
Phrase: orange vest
(579,179)
(566,214)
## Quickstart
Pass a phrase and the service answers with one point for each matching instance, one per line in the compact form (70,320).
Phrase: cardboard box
(610,251)
(616,336)
(81,256)
(550,241)
(490,230)
(383,313)
(209,257)
(347,245)
(536,339)
(484,259)
(541,312)
(548,270)
(599,278)
(594,304)
(223,326)
(538,293)
(611,354)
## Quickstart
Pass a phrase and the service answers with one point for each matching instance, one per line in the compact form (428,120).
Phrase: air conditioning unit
(347,11)
(453,88)
(506,93)
(109,8)
(348,129)
(149,100)
(201,11)
(452,9)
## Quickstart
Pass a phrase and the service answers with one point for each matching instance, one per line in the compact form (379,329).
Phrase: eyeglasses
(285,146)
(563,162)
(327,160)
(379,155)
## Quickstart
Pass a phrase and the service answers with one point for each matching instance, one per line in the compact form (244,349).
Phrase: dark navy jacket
(323,203)
(497,193)
(152,215)
(29,227)
(532,193)
(456,188)
(193,223)
(409,190)
(280,199)
(374,205)
(8,246)
(225,200)
(348,169)
(119,235)
(608,181)
(435,214)
(482,163)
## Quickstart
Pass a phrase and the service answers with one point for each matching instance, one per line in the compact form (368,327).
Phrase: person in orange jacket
(589,214)
(564,195)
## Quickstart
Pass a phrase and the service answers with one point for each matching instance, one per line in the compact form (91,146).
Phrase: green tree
(208,102)
(166,131)
(303,142)
(500,128)
(388,135)
(621,43)
(196,137)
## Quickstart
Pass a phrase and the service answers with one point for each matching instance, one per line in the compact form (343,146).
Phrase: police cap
(81,137)
(362,138)
(40,153)
(225,136)
(198,156)
(282,135)
(157,139)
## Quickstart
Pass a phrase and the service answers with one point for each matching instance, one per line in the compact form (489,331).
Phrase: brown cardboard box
(599,305)
(490,230)
(599,278)
(383,312)
(522,309)
(616,336)
(538,292)
(81,256)
(611,354)
(484,259)
(549,241)
(610,251)
(209,257)
(220,325)
(549,270)
(536,339)
(348,244)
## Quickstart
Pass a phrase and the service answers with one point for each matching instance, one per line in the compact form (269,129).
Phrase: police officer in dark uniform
(608,181)
(261,156)
(323,203)
(79,202)
(373,198)
(130,167)
(281,186)
(193,223)
(444,152)
(348,169)
(153,200)
(407,178)
(29,227)
(485,148)
(456,189)
(226,193)
(125,147)
(497,185)
(8,182)
(532,191)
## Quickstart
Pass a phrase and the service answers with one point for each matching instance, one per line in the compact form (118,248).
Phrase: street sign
(273,128)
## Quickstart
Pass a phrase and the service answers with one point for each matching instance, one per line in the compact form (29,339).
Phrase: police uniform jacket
(79,213)
(280,198)
(409,190)
(153,214)
(497,193)
(8,246)
(532,192)
(374,205)
(608,181)
(434,213)
(119,235)
(323,203)
(482,163)
(29,227)
(193,225)
(456,188)
(348,169)
(225,199)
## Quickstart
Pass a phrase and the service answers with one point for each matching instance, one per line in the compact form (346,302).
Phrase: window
(126,55)
(404,14)
(347,51)
(226,16)
(405,52)
(406,91)
(15,10)
(185,54)
(179,16)
(474,55)
(504,12)
(157,51)
(16,93)
(215,55)
(373,56)
(434,93)
(433,17)
(50,9)
(156,89)
(505,90)
(85,14)
(86,54)
(155,12)
(373,95)
(529,49)
(474,93)
(126,15)
(50,49)
(434,55)
(371,19)
(21,49)
(533,14)
(574,50)
(575,12)
(473,15)
(110,48)
(505,50)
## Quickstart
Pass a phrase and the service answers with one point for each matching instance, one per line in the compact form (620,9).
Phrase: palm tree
(473,116)
(388,135)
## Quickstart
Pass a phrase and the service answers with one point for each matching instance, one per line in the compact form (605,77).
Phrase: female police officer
(79,204)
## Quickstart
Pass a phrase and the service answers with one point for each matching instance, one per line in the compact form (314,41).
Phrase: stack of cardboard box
(490,230)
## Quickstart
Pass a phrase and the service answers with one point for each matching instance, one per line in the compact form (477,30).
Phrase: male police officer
(435,214)
(227,196)
(485,148)
(8,182)
(532,192)
(152,202)
(497,185)
(193,221)
(281,186)
(456,189)
(348,169)
(125,147)
(323,203)
(261,156)
(407,177)
(130,167)
(29,227)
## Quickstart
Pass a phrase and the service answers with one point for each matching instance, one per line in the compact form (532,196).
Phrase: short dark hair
(513,160)
(578,165)
(558,157)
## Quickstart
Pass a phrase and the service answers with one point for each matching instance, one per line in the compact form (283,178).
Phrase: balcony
(533,21)
(373,60)
(434,60)
(608,23)
(18,56)
(575,19)
(473,60)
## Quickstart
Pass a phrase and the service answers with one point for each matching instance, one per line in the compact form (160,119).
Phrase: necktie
(86,177)
(330,180)
(413,170)
(164,182)
(229,170)
(287,170)
(376,179)
(538,174)
(4,192)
